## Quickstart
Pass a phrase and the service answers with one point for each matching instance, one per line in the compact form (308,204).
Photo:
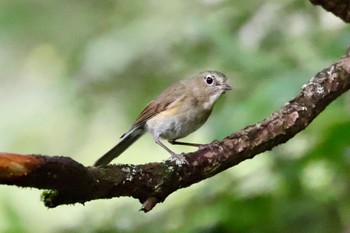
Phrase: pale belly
(170,126)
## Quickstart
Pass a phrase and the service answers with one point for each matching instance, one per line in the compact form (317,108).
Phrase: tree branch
(340,8)
(152,183)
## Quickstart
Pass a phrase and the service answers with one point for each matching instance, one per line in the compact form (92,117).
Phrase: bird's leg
(174,156)
(166,148)
(174,142)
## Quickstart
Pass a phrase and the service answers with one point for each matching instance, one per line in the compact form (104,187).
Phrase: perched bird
(178,111)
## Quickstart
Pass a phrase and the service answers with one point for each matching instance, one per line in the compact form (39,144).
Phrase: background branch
(151,183)
(340,8)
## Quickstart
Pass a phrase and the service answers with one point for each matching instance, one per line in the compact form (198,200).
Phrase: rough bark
(152,183)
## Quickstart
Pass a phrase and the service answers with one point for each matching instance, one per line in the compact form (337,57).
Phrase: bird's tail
(125,141)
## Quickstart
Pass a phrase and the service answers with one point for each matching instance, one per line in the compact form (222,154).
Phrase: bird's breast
(176,122)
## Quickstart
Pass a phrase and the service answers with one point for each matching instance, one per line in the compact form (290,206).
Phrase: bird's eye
(209,79)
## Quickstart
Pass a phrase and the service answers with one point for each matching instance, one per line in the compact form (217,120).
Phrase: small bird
(177,112)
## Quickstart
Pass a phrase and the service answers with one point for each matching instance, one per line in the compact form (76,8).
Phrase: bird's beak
(226,87)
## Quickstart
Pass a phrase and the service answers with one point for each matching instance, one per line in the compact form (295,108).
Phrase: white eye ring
(209,79)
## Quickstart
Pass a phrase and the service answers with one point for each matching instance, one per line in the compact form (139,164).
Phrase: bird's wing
(164,101)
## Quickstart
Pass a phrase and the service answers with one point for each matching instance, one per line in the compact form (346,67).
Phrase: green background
(75,74)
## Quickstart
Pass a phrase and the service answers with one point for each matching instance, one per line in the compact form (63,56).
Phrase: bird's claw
(179,159)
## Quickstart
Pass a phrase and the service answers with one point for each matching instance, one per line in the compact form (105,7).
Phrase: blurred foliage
(75,74)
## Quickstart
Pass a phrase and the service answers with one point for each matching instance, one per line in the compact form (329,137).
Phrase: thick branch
(340,8)
(152,183)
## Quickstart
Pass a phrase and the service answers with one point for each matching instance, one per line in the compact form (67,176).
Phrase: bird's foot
(213,145)
(179,159)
